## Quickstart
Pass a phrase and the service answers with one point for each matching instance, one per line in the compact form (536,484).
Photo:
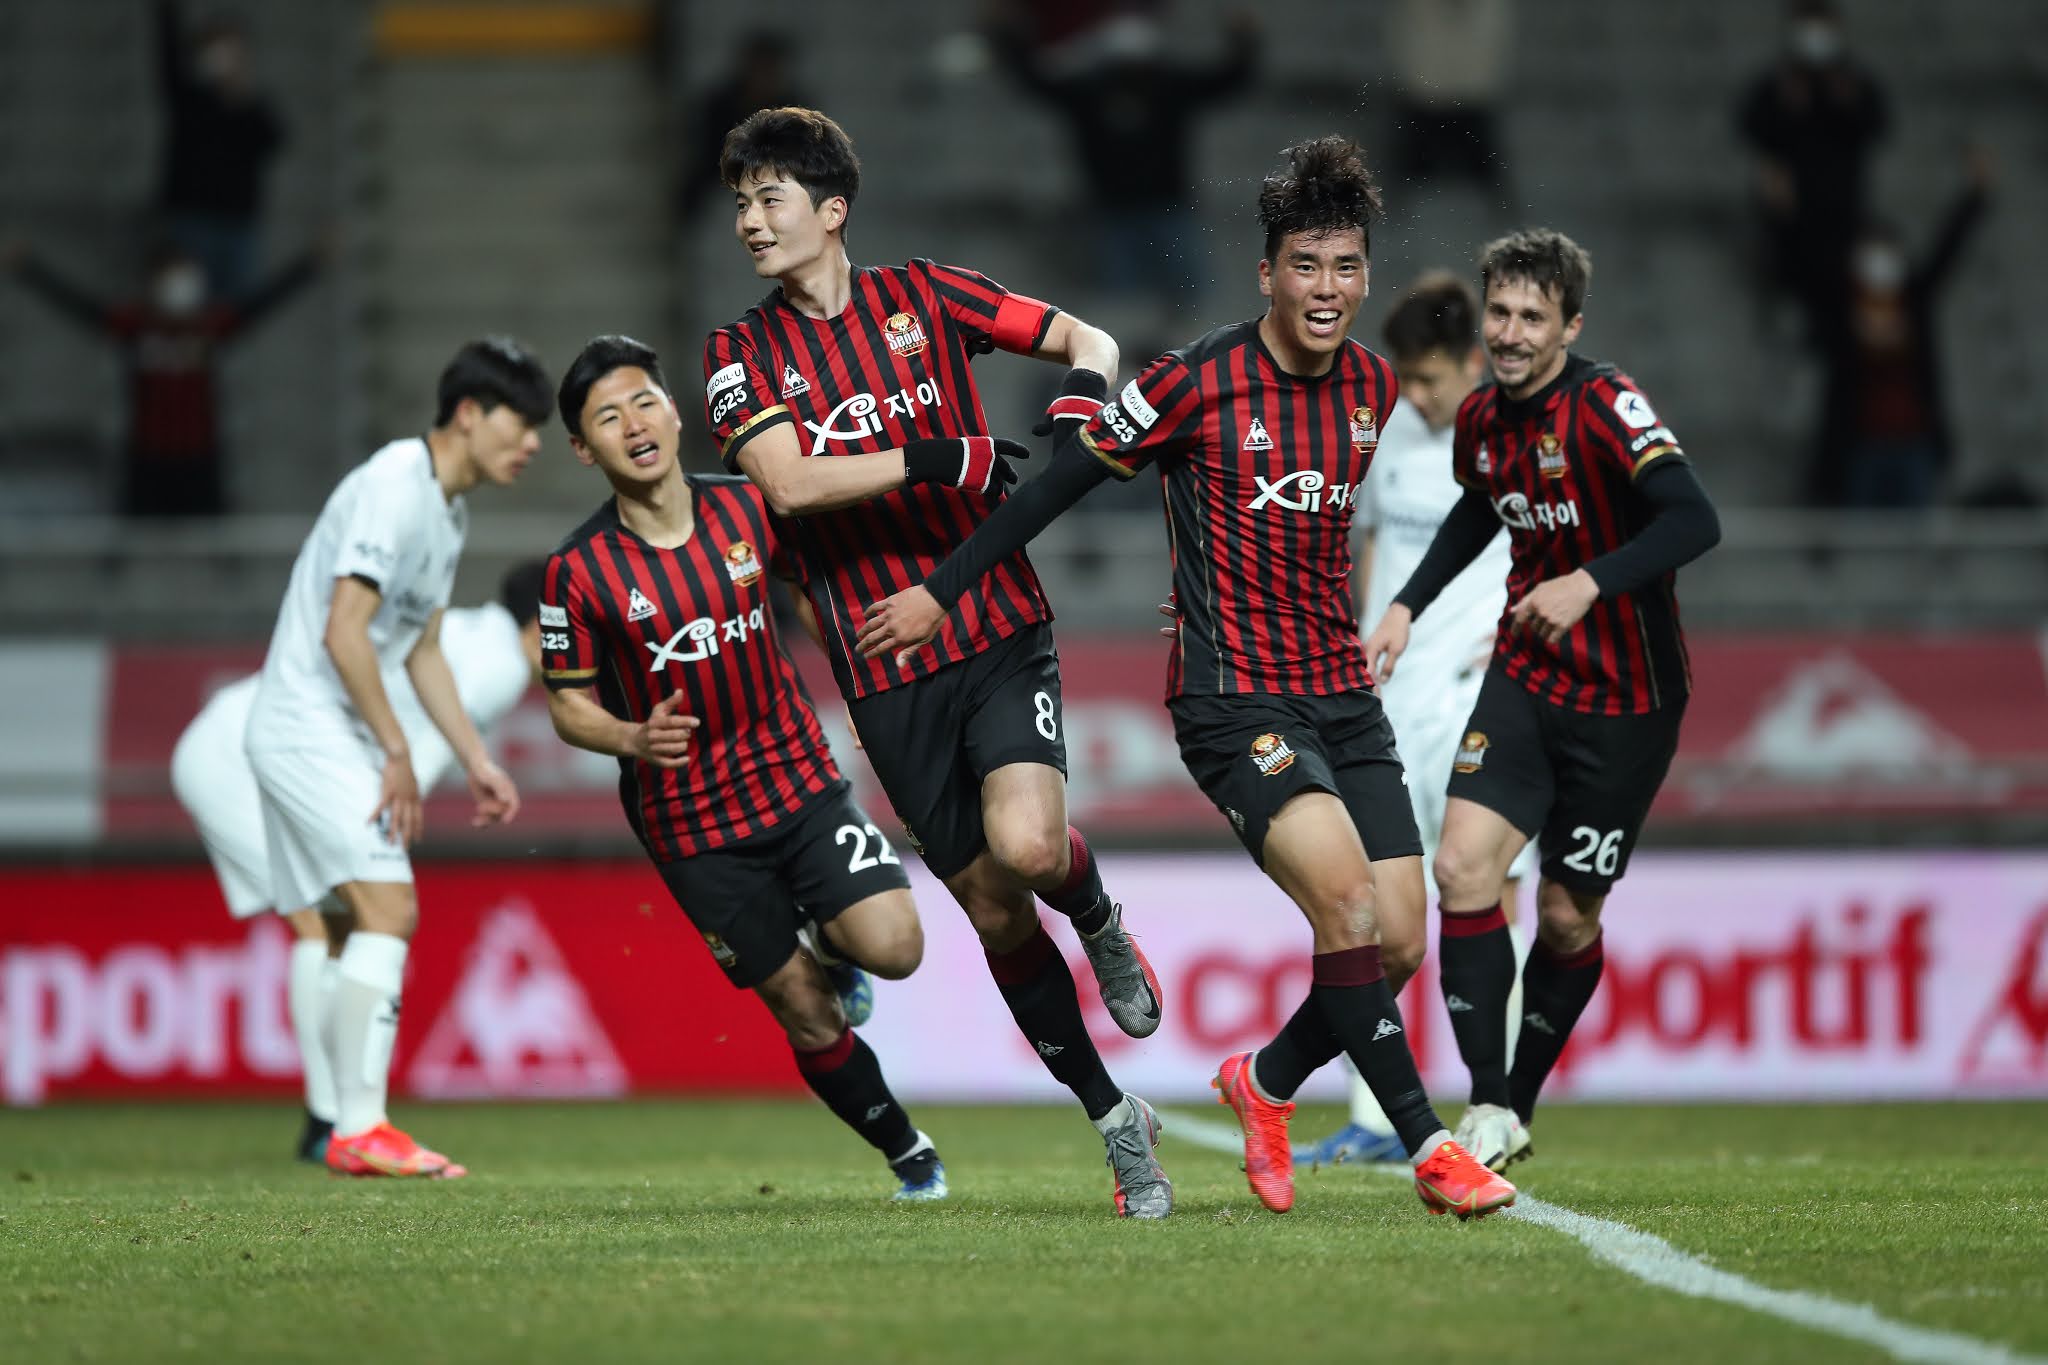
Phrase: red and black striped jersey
(1261,469)
(639,622)
(890,368)
(1560,468)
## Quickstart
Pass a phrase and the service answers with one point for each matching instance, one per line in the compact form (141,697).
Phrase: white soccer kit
(214,782)
(1407,494)
(317,763)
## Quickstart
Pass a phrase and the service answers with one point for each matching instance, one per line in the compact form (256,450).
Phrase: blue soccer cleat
(854,987)
(921,1174)
(1352,1142)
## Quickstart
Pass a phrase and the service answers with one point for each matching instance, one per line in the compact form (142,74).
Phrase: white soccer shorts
(316,821)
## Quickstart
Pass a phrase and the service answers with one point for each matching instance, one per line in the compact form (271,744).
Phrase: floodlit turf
(759,1232)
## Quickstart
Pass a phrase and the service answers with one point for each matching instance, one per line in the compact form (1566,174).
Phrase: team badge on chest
(1550,456)
(1365,433)
(905,333)
(742,564)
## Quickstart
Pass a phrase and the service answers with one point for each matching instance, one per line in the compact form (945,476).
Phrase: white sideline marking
(1655,1261)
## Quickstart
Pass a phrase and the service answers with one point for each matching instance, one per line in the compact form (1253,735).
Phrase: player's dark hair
(598,358)
(520,589)
(802,144)
(1324,187)
(1438,313)
(494,371)
(1545,258)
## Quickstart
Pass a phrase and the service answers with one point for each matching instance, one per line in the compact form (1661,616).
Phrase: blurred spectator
(170,342)
(219,139)
(1133,114)
(1450,57)
(1813,119)
(760,80)
(1884,436)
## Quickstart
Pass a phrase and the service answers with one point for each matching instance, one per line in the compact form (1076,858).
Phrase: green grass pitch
(752,1232)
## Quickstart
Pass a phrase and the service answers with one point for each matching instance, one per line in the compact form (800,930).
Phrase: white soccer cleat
(1494,1135)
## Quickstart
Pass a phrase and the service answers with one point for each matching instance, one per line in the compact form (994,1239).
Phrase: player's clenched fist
(663,739)
(1555,605)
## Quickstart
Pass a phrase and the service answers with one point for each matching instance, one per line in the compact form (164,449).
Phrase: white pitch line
(1655,1261)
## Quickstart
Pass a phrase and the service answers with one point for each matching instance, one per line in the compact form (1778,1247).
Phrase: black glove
(1082,394)
(979,464)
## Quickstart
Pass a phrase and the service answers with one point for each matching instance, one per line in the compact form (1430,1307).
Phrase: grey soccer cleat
(1142,1189)
(1130,991)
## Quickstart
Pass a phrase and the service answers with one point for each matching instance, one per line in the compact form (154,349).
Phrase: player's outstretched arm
(796,485)
(1467,530)
(497,797)
(908,620)
(347,641)
(662,740)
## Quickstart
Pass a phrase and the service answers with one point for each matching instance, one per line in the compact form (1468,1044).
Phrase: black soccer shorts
(932,741)
(1249,754)
(748,899)
(1581,784)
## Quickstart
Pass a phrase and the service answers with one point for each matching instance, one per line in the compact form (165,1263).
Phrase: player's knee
(895,951)
(1566,922)
(1033,855)
(1401,953)
(1463,877)
(805,1008)
(1346,914)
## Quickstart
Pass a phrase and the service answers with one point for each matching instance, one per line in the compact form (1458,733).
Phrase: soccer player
(1577,718)
(846,397)
(660,649)
(1262,431)
(493,651)
(341,802)
(1432,336)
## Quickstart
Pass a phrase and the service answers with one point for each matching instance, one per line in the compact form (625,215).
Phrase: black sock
(1476,957)
(1554,994)
(1039,989)
(1303,1044)
(848,1077)
(1351,990)
(1080,897)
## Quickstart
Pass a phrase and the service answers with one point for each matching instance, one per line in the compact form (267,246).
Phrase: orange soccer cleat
(1453,1181)
(1268,1156)
(384,1150)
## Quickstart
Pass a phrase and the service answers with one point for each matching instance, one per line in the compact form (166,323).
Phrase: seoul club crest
(1365,432)
(1471,754)
(742,564)
(905,333)
(1550,456)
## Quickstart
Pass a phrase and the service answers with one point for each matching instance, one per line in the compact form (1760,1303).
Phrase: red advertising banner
(1781,728)
(1729,976)
(541,979)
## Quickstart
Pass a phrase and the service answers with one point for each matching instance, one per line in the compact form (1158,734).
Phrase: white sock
(1365,1106)
(1523,941)
(362,1026)
(1429,1145)
(1123,1113)
(309,987)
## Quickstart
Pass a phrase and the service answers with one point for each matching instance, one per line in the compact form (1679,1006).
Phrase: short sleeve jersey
(1261,471)
(892,367)
(1561,469)
(389,524)
(639,622)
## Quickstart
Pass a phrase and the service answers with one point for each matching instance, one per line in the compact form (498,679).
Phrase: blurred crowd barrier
(1843,737)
